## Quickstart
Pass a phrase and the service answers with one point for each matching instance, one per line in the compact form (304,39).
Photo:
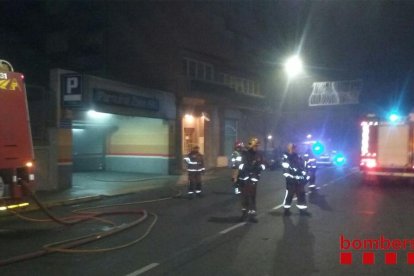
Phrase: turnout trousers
(194,182)
(248,197)
(295,186)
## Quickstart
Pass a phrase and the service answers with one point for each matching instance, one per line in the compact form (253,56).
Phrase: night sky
(368,40)
(338,40)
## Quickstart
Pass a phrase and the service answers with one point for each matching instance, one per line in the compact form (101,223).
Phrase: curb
(67,202)
(71,201)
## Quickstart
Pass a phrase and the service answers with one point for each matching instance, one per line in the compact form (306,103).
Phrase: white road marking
(143,269)
(153,265)
(278,207)
(232,228)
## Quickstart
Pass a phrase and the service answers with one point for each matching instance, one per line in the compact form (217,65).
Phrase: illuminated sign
(127,100)
(335,93)
(71,87)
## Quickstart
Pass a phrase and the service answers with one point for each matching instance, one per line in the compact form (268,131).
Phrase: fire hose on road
(69,246)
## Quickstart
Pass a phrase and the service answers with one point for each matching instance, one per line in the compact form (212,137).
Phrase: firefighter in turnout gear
(296,178)
(310,165)
(236,158)
(249,174)
(195,168)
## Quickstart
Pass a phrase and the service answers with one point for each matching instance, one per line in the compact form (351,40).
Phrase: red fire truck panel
(16,148)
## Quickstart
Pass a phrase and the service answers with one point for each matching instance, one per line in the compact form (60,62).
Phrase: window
(220,77)
(239,85)
(209,72)
(245,86)
(250,87)
(185,67)
(198,70)
(192,69)
(203,71)
(227,80)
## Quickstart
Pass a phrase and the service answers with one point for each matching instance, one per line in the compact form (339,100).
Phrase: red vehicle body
(387,148)
(16,147)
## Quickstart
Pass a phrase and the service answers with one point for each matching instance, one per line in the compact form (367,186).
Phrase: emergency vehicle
(16,148)
(387,147)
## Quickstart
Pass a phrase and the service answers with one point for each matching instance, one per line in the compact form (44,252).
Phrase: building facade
(200,63)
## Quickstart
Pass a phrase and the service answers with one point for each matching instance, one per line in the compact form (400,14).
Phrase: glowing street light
(394,117)
(293,66)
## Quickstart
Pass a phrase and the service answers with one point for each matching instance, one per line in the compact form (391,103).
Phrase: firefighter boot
(243,216)
(252,216)
(286,213)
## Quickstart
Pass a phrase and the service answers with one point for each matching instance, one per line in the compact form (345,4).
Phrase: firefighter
(310,165)
(251,166)
(195,168)
(236,158)
(296,178)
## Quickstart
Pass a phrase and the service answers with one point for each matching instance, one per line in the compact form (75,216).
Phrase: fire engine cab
(387,147)
(16,148)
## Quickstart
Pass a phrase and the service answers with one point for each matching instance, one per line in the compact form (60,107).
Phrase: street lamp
(293,66)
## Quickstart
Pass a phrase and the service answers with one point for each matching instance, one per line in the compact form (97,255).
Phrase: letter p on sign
(71,86)
(71,83)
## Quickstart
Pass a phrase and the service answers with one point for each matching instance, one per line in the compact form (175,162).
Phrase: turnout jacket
(236,159)
(251,166)
(293,166)
(195,162)
(310,161)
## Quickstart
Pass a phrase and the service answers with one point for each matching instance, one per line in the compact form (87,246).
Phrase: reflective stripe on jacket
(251,166)
(293,166)
(236,159)
(195,162)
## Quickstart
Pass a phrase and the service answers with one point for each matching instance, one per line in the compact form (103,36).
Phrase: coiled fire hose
(68,246)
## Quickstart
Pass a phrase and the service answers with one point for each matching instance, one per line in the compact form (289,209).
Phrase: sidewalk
(97,185)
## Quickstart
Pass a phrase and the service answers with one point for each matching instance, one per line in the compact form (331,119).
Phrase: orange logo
(11,84)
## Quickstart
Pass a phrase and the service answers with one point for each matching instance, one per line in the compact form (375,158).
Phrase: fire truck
(387,147)
(16,148)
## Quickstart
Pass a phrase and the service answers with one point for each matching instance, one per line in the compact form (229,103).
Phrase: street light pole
(293,68)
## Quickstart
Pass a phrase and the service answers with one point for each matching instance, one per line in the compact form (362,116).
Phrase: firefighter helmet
(238,144)
(254,142)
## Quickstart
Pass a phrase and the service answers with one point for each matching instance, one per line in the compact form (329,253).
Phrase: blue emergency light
(318,148)
(339,159)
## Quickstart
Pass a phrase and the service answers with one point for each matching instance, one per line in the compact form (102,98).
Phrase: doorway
(192,133)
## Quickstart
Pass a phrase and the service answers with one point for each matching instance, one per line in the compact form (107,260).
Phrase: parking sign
(71,87)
